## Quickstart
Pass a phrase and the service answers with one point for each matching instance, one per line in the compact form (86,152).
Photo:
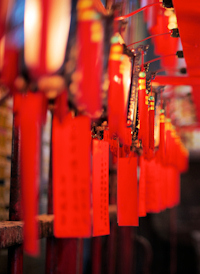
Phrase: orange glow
(46,29)
(32,31)
(126,78)
(2,49)
(58,31)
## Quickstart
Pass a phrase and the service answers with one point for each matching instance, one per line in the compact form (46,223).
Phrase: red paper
(142,188)
(100,188)
(30,117)
(152,186)
(127,192)
(71,176)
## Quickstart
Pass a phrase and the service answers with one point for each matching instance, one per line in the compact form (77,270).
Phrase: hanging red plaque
(71,140)
(100,188)
(127,192)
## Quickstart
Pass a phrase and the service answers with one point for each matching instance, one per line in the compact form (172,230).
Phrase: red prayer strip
(30,109)
(152,186)
(100,188)
(71,176)
(127,192)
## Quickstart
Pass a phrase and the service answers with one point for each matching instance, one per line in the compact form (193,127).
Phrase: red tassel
(30,120)
(162,136)
(146,131)
(142,188)
(168,141)
(87,84)
(141,107)
(151,122)
(116,102)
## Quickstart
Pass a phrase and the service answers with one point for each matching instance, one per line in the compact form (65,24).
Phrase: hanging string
(159,58)
(149,37)
(136,11)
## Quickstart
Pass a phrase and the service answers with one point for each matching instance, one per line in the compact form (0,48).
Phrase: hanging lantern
(46,29)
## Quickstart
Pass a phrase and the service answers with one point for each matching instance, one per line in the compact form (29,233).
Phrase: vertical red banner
(30,108)
(100,188)
(127,192)
(152,186)
(71,141)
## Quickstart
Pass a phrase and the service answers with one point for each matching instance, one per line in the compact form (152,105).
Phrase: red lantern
(46,29)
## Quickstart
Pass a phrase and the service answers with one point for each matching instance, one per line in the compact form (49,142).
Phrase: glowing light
(126,79)
(172,21)
(172,26)
(116,79)
(58,31)
(32,31)
(2,48)
(52,43)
